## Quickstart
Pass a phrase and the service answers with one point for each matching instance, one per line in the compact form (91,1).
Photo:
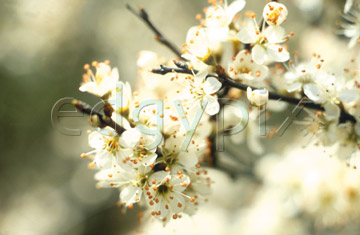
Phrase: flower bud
(94,120)
(275,13)
(258,97)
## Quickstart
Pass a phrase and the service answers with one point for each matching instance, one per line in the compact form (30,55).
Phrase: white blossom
(266,41)
(202,88)
(257,97)
(243,67)
(275,13)
(165,195)
(103,82)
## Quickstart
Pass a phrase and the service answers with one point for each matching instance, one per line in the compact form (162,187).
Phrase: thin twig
(142,14)
(228,82)
(103,119)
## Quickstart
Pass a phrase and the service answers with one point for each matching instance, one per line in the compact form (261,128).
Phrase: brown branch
(104,120)
(142,14)
(228,82)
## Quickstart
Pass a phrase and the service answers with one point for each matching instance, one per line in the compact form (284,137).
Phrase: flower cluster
(169,124)
(166,177)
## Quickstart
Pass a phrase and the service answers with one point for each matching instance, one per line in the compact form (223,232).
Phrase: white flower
(266,42)
(322,125)
(165,195)
(243,67)
(107,148)
(131,182)
(322,187)
(219,17)
(298,77)
(257,97)
(275,13)
(203,89)
(197,46)
(103,82)
(138,154)
(178,160)
(330,91)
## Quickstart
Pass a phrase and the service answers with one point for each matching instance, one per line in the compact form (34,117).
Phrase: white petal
(277,53)
(158,176)
(188,160)
(103,159)
(294,87)
(211,85)
(178,182)
(312,91)
(275,34)
(130,194)
(92,88)
(348,96)
(234,8)
(149,159)
(259,54)
(130,138)
(332,111)
(213,106)
(114,75)
(248,33)
(96,140)
(175,202)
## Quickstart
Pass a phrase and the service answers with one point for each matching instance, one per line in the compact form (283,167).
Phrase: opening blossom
(258,97)
(219,17)
(266,41)
(102,82)
(202,88)
(275,13)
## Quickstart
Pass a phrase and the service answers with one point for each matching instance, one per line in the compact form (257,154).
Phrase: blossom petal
(312,91)
(277,53)
(248,33)
(234,8)
(348,95)
(130,194)
(275,34)
(212,106)
(130,137)
(259,54)
(332,111)
(188,160)
(96,140)
(294,87)
(211,85)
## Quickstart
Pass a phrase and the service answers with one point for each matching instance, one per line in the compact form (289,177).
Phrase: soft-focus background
(46,188)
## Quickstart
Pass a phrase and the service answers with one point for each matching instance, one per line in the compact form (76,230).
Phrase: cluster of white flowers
(166,177)
(308,181)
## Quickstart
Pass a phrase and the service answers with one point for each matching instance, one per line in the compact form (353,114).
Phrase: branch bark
(104,120)
(228,82)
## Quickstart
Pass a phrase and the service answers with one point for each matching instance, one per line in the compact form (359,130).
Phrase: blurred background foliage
(46,187)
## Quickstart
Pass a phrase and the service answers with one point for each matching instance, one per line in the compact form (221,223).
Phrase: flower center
(112,144)
(163,189)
